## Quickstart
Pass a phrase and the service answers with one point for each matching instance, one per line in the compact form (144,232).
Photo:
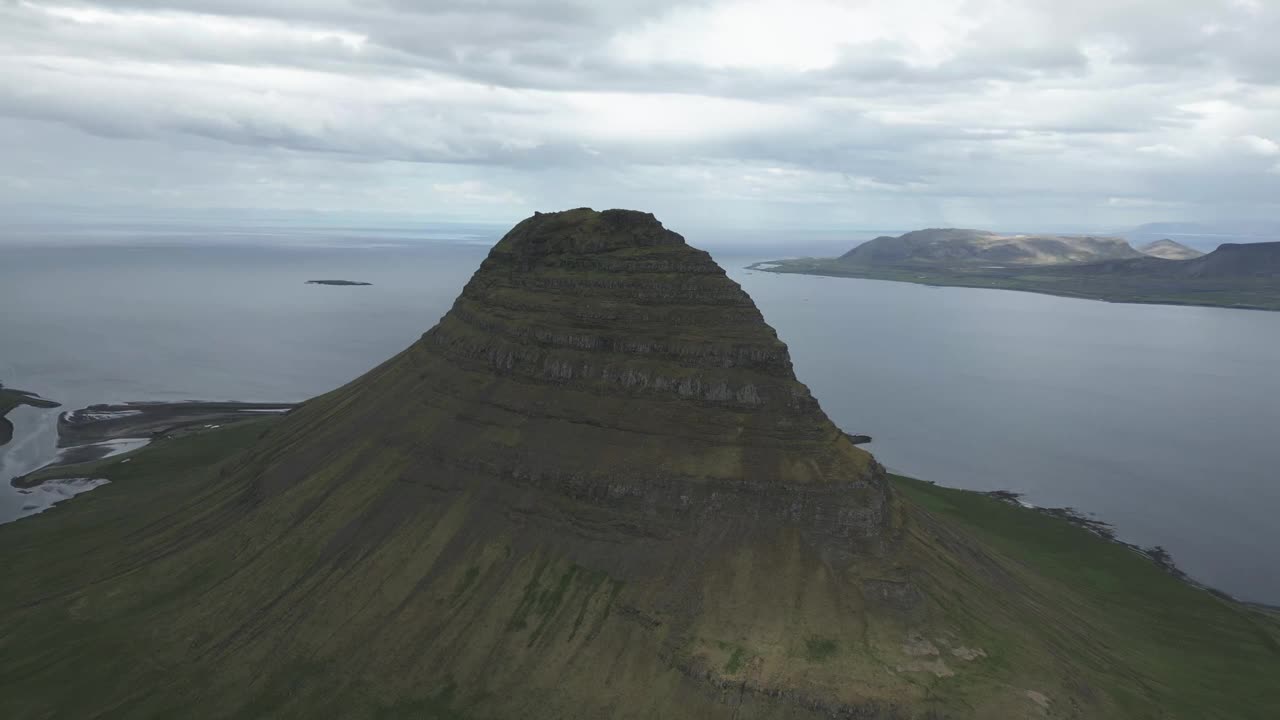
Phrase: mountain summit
(1169,250)
(595,489)
(599,346)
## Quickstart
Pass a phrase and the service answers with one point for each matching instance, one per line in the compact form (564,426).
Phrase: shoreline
(1156,555)
(1161,557)
(930,277)
(11,399)
(97,423)
(104,431)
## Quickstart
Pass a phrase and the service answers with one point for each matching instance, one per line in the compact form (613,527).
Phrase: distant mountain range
(957,246)
(1106,268)
(1203,236)
(1231,261)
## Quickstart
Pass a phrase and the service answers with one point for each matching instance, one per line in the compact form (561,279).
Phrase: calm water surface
(1160,420)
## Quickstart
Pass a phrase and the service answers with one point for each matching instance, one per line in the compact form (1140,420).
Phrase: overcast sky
(1027,114)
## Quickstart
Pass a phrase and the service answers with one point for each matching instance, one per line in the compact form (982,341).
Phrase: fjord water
(1160,420)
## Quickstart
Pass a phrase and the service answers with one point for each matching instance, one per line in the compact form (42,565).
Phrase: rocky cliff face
(642,338)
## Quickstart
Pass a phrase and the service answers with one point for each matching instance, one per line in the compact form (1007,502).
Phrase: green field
(1194,653)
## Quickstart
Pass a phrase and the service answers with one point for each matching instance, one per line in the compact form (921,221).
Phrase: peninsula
(10,399)
(336,282)
(1234,275)
(595,488)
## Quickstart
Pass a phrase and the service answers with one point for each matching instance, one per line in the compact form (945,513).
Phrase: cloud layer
(871,113)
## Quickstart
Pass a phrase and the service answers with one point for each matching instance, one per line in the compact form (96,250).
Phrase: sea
(1161,421)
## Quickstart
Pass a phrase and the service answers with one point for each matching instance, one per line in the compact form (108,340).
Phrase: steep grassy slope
(118,605)
(595,489)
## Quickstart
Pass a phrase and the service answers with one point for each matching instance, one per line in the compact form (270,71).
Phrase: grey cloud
(1050,102)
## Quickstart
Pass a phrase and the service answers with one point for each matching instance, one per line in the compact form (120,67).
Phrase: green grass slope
(1176,650)
(174,591)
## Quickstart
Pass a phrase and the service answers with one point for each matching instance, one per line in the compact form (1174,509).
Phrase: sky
(1001,114)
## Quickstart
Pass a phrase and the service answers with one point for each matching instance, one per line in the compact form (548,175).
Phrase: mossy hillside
(1156,640)
(372,614)
(91,574)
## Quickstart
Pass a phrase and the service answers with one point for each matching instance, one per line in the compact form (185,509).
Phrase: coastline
(11,399)
(100,432)
(99,423)
(1010,280)
(924,491)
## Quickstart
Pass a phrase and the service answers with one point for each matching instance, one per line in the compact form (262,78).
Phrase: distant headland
(10,399)
(1097,268)
(336,282)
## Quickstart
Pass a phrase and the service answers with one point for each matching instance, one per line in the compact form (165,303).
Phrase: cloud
(1261,146)
(477,191)
(1138,202)
(1164,150)
(810,111)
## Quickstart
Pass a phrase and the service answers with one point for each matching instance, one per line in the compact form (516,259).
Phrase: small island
(10,399)
(336,282)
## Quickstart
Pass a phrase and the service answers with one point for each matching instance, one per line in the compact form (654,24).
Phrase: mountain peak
(1169,250)
(586,231)
(609,327)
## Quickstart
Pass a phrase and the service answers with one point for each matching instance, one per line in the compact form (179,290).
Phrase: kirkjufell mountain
(595,489)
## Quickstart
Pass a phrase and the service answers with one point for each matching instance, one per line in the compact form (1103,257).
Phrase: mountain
(1234,275)
(981,247)
(1236,260)
(1247,263)
(594,489)
(1205,236)
(1169,250)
